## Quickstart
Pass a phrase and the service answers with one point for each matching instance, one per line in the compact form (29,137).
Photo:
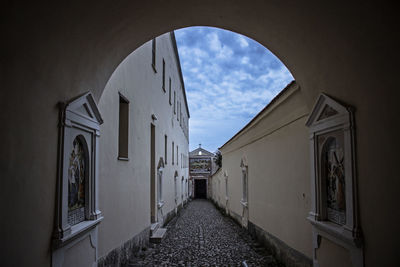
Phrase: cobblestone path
(202,236)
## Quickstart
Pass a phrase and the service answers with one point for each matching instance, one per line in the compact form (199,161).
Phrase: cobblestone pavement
(202,236)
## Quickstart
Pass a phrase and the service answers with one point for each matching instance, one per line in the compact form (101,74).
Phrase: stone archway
(62,50)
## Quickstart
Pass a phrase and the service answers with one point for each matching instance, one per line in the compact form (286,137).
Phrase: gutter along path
(201,236)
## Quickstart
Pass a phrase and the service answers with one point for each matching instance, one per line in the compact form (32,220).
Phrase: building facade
(201,166)
(137,178)
(144,145)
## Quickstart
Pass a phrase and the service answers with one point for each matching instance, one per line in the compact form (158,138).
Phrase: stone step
(158,235)
(154,227)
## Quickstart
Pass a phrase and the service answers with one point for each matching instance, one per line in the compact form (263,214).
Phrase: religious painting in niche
(76,183)
(200,165)
(334,176)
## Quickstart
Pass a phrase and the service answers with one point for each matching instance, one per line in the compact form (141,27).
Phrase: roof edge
(287,87)
(178,62)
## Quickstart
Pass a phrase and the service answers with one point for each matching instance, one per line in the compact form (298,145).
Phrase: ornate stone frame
(79,118)
(331,118)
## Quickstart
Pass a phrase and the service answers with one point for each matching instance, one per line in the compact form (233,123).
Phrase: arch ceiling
(55,51)
(78,45)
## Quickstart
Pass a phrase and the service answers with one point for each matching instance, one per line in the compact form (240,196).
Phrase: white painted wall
(125,185)
(276,148)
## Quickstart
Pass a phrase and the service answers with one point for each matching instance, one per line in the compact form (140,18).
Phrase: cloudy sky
(229,78)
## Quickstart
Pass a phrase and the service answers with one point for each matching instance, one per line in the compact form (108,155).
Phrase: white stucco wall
(276,148)
(125,185)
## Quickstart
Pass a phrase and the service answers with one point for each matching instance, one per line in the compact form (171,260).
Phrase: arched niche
(245,181)
(160,170)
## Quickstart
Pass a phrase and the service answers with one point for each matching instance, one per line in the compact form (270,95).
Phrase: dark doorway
(200,188)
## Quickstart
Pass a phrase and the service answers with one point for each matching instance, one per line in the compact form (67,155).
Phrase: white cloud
(242,41)
(214,43)
(245,60)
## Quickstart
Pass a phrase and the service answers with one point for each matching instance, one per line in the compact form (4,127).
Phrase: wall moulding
(334,209)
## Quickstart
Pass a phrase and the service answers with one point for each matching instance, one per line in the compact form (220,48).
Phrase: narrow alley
(201,236)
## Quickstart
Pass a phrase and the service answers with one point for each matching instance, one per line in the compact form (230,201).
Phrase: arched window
(77,180)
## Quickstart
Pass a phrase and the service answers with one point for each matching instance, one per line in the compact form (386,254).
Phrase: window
(334,213)
(165,148)
(177,155)
(174,102)
(173,150)
(170,100)
(177,117)
(123,134)
(180,113)
(153,54)
(163,75)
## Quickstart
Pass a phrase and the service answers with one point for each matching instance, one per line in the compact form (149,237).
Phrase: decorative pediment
(326,108)
(201,152)
(84,107)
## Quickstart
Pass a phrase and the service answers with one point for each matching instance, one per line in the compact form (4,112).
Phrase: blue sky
(229,78)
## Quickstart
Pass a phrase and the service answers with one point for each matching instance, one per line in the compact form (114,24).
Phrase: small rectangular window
(177,117)
(123,134)
(165,148)
(177,155)
(163,75)
(174,102)
(153,54)
(170,97)
(173,150)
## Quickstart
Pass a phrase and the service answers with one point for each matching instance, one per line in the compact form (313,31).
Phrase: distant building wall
(201,166)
